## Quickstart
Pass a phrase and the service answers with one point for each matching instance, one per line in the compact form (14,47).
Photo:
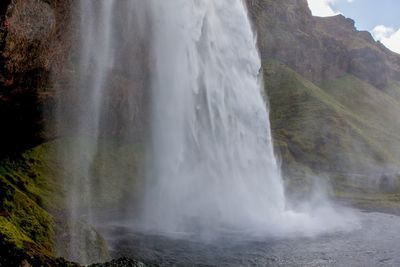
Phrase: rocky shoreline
(11,256)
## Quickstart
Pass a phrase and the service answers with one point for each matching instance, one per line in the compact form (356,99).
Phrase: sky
(380,17)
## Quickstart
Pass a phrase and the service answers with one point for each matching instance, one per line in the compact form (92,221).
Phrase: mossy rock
(30,194)
(33,203)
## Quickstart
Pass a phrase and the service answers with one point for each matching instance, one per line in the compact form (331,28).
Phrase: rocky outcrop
(320,48)
(13,256)
(122,262)
(33,47)
(367,59)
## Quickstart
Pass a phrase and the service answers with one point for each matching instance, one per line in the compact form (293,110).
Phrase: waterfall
(212,163)
(100,119)
(187,75)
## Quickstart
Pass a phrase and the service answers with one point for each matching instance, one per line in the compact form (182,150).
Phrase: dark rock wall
(33,47)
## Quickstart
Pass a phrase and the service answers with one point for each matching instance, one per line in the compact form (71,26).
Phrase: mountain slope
(317,48)
(334,95)
(318,134)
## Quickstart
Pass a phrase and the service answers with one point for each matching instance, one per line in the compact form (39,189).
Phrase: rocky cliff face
(320,48)
(33,47)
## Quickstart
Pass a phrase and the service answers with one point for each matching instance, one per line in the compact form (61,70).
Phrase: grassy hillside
(374,112)
(344,130)
(393,90)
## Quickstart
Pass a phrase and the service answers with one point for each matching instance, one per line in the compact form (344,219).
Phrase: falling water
(101,119)
(210,162)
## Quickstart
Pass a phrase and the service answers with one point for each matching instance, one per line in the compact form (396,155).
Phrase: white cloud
(322,8)
(388,36)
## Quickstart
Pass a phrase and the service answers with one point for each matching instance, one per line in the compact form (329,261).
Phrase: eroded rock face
(368,60)
(33,47)
(33,19)
(320,48)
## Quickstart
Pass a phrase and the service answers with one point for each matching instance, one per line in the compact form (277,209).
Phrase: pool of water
(375,243)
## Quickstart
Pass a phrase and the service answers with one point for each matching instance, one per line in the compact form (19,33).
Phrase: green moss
(33,220)
(29,191)
(12,234)
(26,223)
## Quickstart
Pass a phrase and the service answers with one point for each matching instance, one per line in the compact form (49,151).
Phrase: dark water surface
(376,243)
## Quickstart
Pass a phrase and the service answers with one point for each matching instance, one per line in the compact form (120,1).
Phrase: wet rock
(122,262)
(32,45)
(25,263)
(84,244)
(11,255)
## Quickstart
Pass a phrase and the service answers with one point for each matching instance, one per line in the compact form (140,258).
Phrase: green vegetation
(12,234)
(27,192)
(32,190)
(344,130)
